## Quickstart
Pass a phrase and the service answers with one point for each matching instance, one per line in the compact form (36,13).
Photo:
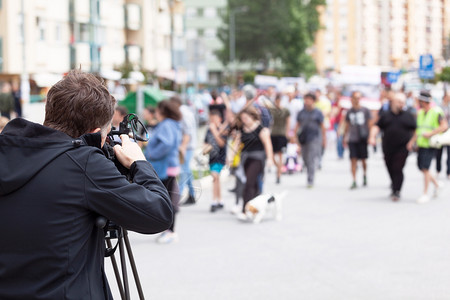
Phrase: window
(58,33)
(82,33)
(40,25)
(210,33)
(19,24)
(191,12)
(191,34)
(133,16)
(210,12)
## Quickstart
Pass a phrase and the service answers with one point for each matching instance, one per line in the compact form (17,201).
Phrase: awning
(152,96)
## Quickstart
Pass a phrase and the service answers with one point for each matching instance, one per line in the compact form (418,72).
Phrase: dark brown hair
(310,96)
(169,109)
(252,112)
(122,110)
(78,104)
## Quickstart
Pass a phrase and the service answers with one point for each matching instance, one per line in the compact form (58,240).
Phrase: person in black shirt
(398,127)
(256,150)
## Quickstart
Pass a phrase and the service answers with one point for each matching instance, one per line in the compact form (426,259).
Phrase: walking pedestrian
(256,150)
(6,100)
(356,134)
(311,135)
(216,145)
(187,147)
(323,103)
(17,95)
(398,127)
(162,152)
(337,113)
(430,121)
(279,133)
(446,109)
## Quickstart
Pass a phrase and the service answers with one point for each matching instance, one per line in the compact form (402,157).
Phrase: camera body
(131,126)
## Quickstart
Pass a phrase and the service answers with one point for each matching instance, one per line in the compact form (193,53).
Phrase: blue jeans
(339,142)
(186,174)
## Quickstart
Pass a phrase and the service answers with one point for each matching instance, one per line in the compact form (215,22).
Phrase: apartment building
(202,21)
(52,36)
(390,33)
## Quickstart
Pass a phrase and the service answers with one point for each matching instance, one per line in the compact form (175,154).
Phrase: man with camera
(54,183)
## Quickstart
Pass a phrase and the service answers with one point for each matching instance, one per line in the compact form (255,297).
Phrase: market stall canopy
(152,96)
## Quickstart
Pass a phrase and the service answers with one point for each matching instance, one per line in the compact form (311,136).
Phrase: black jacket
(52,188)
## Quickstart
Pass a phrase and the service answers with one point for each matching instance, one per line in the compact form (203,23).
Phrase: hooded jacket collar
(27,147)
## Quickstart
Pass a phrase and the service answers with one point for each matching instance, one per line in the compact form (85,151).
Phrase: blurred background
(148,49)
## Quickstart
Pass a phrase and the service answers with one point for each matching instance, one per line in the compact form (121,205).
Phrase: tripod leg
(116,272)
(133,265)
(124,269)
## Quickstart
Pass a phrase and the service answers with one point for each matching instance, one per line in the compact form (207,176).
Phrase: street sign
(392,77)
(426,68)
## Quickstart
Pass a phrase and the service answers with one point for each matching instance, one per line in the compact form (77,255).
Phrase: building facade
(387,33)
(202,21)
(53,36)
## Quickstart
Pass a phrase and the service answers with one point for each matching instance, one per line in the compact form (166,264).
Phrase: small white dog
(256,209)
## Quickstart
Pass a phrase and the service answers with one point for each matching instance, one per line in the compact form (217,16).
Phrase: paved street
(333,243)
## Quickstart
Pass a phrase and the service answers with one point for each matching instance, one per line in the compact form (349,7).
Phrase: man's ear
(95,130)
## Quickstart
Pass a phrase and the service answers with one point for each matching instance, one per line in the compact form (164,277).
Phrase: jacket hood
(26,148)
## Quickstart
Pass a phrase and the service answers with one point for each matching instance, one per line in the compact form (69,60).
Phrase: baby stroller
(292,163)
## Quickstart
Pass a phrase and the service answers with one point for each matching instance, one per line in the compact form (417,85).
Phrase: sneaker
(437,189)
(215,207)
(364,180)
(235,210)
(395,196)
(242,217)
(167,237)
(353,186)
(189,201)
(423,199)
(309,186)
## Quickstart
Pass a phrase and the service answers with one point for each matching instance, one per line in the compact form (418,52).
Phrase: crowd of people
(54,203)
(251,129)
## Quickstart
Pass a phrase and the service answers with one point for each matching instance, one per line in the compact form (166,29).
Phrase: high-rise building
(387,33)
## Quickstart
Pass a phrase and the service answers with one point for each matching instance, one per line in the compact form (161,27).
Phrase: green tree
(445,75)
(272,29)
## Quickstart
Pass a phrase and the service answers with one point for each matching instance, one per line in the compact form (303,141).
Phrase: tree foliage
(272,30)
(445,75)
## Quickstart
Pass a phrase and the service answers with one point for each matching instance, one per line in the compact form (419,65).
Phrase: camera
(131,126)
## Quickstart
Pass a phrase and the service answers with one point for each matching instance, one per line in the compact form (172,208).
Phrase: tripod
(113,231)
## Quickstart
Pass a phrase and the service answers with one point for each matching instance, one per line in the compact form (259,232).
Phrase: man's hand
(410,146)
(372,141)
(128,152)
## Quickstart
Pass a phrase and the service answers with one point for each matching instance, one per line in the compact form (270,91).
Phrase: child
(291,156)
(216,142)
